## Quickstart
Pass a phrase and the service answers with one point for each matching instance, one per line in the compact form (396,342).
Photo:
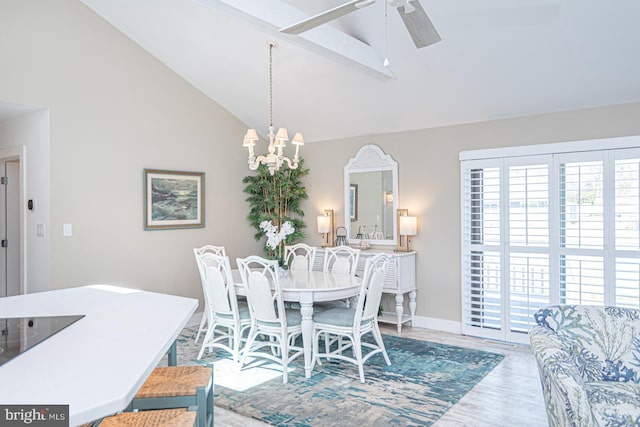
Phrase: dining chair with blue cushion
(269,318)
(228,321)
(197,252)
(341,260)
(300,256)
(343,328)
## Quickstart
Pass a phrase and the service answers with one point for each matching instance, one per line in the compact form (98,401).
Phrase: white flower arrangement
(274,237)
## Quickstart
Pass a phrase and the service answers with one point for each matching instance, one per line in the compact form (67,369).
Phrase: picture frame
(353,202)
(173,199)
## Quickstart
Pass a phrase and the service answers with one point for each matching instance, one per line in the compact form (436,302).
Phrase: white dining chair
(227,320)
(300,256)
(341,260)
(197,252)
(270,319)
(346,326)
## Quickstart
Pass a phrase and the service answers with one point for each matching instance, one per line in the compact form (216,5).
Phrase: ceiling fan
(413,15)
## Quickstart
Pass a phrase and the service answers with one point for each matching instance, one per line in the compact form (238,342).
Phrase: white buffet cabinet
(400,280)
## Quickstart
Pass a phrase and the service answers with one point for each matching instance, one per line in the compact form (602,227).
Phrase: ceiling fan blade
(327,16)
(419,26)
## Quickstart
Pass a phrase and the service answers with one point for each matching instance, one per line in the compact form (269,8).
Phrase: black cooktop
(19,334)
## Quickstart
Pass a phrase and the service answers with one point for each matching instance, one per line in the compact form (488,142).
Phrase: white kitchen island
(97,364)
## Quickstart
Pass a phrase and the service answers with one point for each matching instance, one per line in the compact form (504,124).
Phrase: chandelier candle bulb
(246,142)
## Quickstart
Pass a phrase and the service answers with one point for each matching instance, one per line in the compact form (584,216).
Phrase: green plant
(277,198)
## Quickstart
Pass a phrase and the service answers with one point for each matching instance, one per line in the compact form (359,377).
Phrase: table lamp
(407,226)
(325,227)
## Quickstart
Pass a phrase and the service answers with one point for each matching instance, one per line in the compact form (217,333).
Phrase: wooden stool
(164,418)
(178,387)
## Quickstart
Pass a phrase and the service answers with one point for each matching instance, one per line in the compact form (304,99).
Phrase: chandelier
(275,158)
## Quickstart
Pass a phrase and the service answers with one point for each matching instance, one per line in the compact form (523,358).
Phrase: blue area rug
(424,380)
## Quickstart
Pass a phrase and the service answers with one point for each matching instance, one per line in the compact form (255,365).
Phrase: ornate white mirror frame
(371,158)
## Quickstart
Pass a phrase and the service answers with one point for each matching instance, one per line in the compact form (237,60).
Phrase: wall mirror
(371,197)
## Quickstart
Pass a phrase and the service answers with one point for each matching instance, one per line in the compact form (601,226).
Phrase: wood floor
(510,396)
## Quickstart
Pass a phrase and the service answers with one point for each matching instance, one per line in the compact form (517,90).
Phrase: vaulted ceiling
(497,59)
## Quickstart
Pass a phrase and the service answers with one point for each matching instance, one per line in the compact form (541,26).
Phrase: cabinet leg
(399,310)
(412,306)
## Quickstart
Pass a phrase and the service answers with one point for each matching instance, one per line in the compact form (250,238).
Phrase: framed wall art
(173,199)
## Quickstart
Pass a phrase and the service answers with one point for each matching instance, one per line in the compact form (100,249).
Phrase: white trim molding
(438,324)
(553,148)
(20,153)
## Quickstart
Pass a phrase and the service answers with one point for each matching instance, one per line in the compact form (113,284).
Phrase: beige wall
(429,183)
(115,110)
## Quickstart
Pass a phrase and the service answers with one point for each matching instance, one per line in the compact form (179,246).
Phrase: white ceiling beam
(270,16)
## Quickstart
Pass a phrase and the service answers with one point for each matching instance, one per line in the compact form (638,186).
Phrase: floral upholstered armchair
(589,363)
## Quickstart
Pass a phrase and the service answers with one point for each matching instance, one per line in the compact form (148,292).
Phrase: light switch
(40,230)
(67,230)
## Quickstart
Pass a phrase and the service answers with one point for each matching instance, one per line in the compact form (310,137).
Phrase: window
(549,224)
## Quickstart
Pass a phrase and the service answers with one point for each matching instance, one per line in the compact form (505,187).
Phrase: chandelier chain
(270,84)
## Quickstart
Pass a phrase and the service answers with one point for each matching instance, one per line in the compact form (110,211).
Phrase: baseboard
(429,323)
(438,324)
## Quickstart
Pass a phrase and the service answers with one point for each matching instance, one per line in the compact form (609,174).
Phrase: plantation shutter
(556,228)
(627,228)
(528,247)
(581,182)
(482,300)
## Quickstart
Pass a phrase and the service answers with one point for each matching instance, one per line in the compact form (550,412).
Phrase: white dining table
(307,288)
(97,364)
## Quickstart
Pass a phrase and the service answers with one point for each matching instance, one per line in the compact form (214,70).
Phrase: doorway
(10,247)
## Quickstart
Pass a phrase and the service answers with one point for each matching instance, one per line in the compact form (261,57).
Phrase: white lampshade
(281,138)
(408,225)
(251,135)
(282,134)
(298,139)
(324,224)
